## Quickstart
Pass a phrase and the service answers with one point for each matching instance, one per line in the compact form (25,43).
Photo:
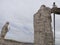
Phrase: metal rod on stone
(54,21)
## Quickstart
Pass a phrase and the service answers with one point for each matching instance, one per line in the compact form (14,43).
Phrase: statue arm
(55,10)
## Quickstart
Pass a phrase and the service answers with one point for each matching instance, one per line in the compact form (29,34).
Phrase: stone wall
(13,42)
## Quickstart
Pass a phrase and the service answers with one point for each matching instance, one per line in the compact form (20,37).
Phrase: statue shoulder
(48,8)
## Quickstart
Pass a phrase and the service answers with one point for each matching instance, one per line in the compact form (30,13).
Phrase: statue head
(7,22)
(42,6)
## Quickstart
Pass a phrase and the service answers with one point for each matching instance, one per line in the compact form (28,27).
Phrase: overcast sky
(20,15)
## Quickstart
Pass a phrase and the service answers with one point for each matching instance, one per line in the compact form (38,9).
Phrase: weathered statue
(4,30)
(43,34)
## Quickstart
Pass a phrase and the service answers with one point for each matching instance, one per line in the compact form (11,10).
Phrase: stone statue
(43,34)
(4,30)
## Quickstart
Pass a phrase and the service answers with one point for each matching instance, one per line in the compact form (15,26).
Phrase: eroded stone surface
(43,34)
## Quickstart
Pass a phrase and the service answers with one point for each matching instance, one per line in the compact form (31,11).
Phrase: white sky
(20,15)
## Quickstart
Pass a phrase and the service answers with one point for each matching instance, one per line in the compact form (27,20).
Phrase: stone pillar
(3,33)
(43,34)
(4,30)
